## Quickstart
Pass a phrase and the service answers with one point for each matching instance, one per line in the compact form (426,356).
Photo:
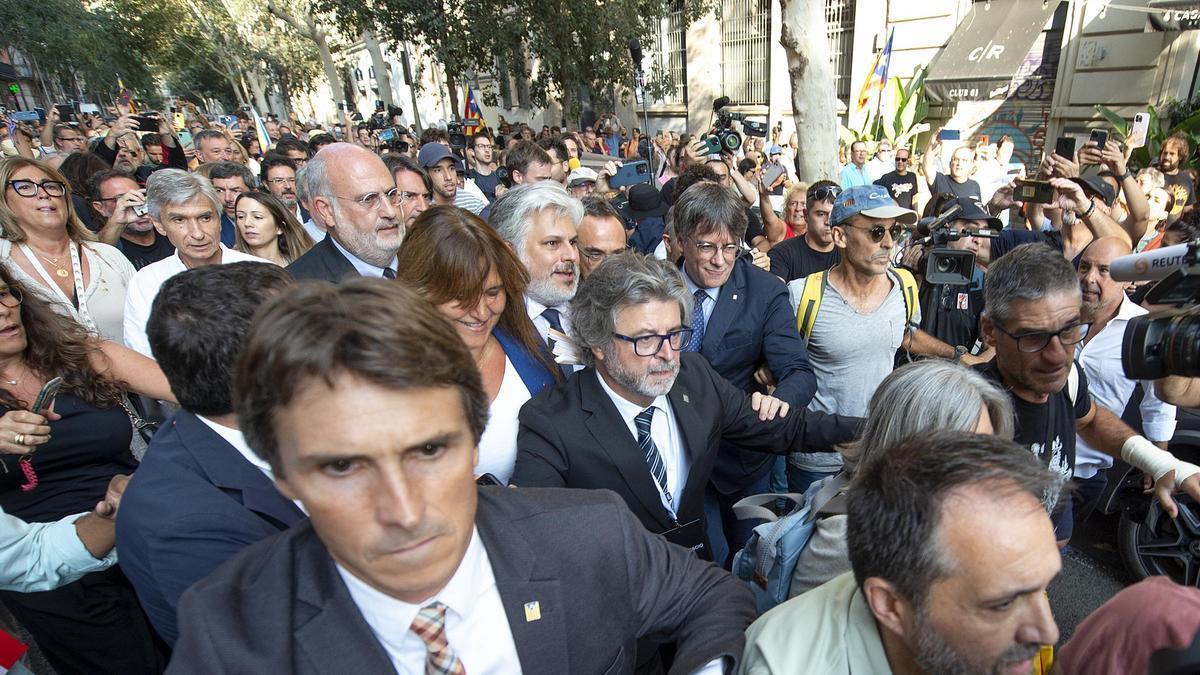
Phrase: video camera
(722,136)
(1164,343)
(942,264)
(456,131)
(382,120)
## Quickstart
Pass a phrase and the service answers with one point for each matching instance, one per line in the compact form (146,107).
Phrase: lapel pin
(686,399)
(533,611)
(735,296)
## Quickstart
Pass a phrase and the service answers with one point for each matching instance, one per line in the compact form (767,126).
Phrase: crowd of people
(456,403)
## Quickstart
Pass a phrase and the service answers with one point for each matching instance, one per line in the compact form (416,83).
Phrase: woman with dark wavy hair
(95,624)
(459,263)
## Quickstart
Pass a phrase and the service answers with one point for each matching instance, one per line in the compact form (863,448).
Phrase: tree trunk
(244,88)
(814,105)
(452,89)
(309,29)
(258,87)
(382,75)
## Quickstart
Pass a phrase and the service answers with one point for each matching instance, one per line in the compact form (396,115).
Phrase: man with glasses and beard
(951,551)
(356,198)
(864,312)
(278,175)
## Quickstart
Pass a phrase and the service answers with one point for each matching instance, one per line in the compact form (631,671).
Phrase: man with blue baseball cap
(444,168)
(857,315)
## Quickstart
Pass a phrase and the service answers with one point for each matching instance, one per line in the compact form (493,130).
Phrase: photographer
(127,126)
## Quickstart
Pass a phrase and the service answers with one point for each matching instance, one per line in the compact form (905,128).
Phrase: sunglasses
(877,231)
(901,159)
(825,193)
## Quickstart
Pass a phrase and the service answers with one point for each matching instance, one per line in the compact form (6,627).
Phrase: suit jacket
(573,436)
(228,231)
(752,324)
(323,262)
(600,579)
(193,503)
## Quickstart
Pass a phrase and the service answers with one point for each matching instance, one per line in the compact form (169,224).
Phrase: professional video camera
(458,137)
(722,136)
(942,264)
(1164,343)
(381,119)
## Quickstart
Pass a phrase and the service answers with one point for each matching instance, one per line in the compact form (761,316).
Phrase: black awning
(7,72)
(996,49)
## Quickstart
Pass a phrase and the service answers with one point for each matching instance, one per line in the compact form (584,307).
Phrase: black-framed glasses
(373,200)
(877,231)
(825,193)
(28,188)
(11,296)
(281,181)
(649,345)
(1031,343)
(901,159)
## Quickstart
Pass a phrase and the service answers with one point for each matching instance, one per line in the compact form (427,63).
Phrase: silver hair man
(512,214)
(172,187)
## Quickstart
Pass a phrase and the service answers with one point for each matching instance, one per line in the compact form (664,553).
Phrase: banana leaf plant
(1160,129)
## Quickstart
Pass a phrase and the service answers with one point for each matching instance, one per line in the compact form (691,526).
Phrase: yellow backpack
(814,290)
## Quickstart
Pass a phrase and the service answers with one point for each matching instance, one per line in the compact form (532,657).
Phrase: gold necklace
(58,269)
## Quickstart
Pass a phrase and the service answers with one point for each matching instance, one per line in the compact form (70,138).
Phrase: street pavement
(1092,573)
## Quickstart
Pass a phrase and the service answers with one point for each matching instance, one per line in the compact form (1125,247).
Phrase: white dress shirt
(664,431)
(535,309)
(476,626)
(366,269)
(498,446)
(709,305)
(143,288)
(1100,359)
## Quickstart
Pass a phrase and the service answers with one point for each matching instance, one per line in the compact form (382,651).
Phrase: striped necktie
(653,457)
(430,626)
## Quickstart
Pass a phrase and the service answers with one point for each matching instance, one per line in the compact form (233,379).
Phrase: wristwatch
(959,352)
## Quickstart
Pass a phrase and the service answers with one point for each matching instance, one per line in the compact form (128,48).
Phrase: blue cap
(432,153)
(775,150)
(873,201)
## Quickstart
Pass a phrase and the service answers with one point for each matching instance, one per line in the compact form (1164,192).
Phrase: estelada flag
(125,98)
(878,77)
(471,113)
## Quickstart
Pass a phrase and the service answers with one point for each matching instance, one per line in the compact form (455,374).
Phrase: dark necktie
(389,273)
(693,345)
(553,318)
(653,458)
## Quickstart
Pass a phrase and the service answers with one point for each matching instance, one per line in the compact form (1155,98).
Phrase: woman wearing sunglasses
(59,461)
(46,247)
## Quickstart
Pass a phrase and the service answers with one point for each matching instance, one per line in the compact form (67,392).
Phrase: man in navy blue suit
(741,320)
(200,495)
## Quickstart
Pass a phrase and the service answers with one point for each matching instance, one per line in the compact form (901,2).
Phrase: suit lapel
(533,605)
(728,308)
(339,265)
(611,433)
(330,631)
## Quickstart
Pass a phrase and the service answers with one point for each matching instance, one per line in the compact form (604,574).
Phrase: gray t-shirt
(850,353)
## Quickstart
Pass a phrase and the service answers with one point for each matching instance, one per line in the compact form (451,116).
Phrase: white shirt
(109,276)
(664,431)
(143,288)
(535,309)
(477,628)
(366,269)
(314,230)
(709,305)
(1100,359)
(498,446)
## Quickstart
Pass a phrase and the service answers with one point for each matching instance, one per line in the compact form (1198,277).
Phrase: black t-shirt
(141,256)
(951,313)
(487,184)
(794,259)
(87,447)
(1048,429)
(968,188)
(1181,187)
(903,188)
(754,225)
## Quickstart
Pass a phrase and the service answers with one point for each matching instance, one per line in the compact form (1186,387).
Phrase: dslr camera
(1168,342)
(722,136)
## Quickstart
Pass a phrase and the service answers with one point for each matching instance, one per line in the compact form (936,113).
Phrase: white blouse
(498,447)
(102,304)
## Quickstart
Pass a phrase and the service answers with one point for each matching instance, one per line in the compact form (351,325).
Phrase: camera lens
(946,265)
(1181,345)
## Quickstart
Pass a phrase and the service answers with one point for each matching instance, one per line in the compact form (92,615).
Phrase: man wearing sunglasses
(1034,321)
(799,257)
(901,183)
(867,312)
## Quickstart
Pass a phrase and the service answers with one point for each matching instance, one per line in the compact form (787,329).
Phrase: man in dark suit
(407,566)
(278,175)
(644,420)
(355,196)
(200,495)
(741,320)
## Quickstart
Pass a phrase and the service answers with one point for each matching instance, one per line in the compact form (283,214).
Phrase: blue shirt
(228,231)
(852,175)
(712,293)
(43,556)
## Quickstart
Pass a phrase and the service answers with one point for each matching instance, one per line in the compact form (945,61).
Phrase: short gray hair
(312,180)
(512,214)
(920,397)
(172,187)
(706,207)
(1028,272)
(627,278)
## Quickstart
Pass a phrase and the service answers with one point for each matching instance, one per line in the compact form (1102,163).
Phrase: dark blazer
(322,262)
(193,503)
(752,324)
(228,231)
(600,579)
(573,436)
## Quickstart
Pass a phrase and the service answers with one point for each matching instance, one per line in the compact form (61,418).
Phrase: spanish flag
(877,79)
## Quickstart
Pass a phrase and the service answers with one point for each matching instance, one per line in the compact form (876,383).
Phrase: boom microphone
(720,103)
(1156,264)
(635,52)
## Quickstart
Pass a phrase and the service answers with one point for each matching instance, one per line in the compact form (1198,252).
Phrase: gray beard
(636,382)
(935,656)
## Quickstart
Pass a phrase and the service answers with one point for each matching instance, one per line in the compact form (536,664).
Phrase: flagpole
(886,61)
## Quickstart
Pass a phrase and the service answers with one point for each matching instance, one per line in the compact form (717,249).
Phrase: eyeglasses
(281,181)
(70,139)
(649,345)
(28,188)
(10,296)
(824,193)
(407,197)
(596,255)
(877,231)
(483,146)
(708,249)
(373,200)
(901,159)
(1031,343)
